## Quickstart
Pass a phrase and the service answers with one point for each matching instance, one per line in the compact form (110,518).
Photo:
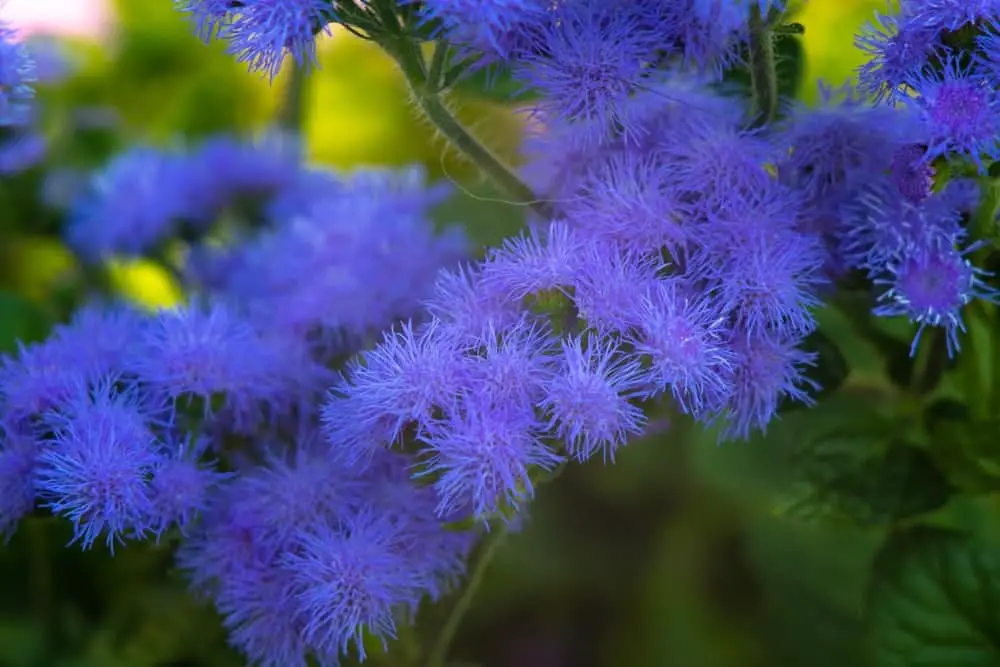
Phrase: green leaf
(964,447)
(934,601)
(897,483)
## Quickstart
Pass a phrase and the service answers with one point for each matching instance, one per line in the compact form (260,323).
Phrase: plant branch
(291,113)
(428,98)
(438,653)
(763,69)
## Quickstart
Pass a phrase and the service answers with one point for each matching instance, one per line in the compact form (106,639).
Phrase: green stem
(763,69)
(291,114)
(411,62)
(438,652)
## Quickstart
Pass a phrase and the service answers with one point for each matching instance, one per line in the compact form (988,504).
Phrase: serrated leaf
(934,601)
(965,448)
(841,482)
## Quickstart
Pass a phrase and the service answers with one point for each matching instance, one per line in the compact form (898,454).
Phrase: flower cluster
(199,424)
(314,480)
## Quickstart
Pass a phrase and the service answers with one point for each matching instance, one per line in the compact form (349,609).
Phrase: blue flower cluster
(21,143)
(199,424)
(314,477)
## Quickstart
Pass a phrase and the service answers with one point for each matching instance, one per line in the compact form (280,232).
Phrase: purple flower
(181,483)
(717,166)
(17,74)
(96,465)
(511,366)
(495,27)
(634,201)
(587,61)
(348,579)
(766,371)
(480,453)
(899,49)
(588,397)
(134,203)
(770,278)
(532,263)
(912,175)
(469,307)
(259,32)
(842,143)
(952,14)
(22,152)
(211,352)
(397,384)
(685,337)
(18,463)
(961,111)
(610,286)
(91,347)
(359,254)
(930,285)
(879,227)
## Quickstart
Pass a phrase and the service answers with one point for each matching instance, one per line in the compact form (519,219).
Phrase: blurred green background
(672,557)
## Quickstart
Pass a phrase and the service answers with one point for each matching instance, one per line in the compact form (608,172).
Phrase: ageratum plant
(350,410)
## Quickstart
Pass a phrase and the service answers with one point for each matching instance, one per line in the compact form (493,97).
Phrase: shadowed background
(672,557)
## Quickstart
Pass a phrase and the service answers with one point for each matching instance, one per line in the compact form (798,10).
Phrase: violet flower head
(182,484)
(210,352)
(495,27)
(535,262)
(960,108)
(931,285)
(85,351)
(397,384)
(610,285)
(767,370)
(133,204)
(17,74)
(634,201)
(359,254)
(468,306)
(348,579)
(480,453)
(18,463)
(95,467)
(22,151)
(685,336)
(589,397)
(898,49)
(588,59)
(952,15)
(260,32)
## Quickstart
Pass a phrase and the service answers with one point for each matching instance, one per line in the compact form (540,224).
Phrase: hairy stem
(763,69)
(438,652)
(429,99)
(291,113)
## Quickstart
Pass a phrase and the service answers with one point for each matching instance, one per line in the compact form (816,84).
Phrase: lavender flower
(18,463)
(17,74)
(259,32)
(95,467)
(589,397)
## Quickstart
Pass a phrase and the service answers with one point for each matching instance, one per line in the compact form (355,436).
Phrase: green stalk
(428,97)
(438,652)
(763,69)
(291,113)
